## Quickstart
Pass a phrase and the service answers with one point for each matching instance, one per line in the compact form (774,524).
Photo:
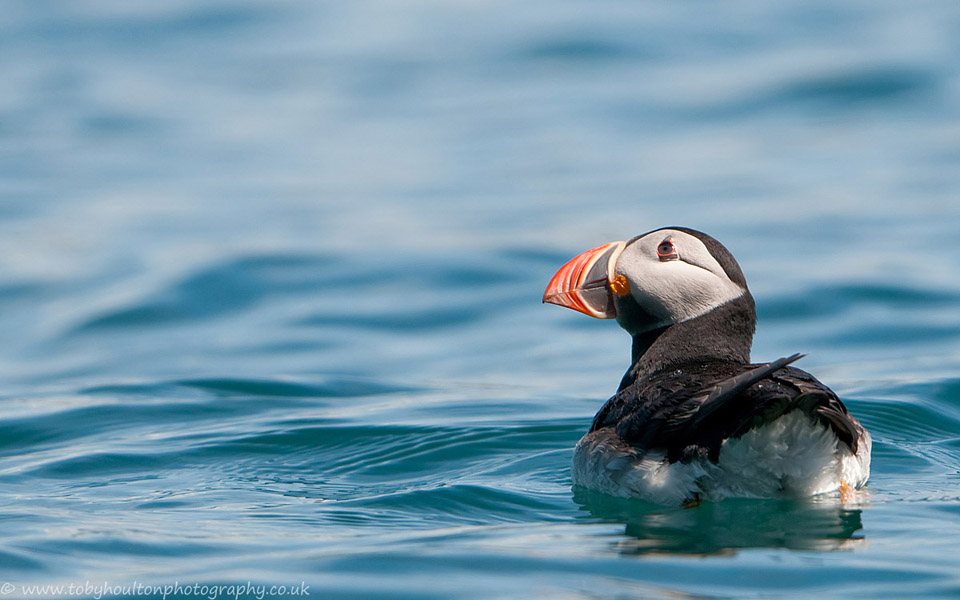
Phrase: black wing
(689,412)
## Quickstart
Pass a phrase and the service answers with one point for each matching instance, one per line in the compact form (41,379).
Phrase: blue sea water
(270,279)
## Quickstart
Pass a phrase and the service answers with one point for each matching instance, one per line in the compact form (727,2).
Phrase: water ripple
(270,280)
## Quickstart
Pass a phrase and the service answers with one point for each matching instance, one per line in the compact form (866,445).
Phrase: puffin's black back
(663,411)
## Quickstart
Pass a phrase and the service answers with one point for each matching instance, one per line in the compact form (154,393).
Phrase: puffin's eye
(667,251)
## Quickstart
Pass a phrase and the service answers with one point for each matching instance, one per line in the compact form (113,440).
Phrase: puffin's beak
(583,284)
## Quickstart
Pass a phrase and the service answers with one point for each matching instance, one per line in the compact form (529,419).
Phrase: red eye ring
(667,251)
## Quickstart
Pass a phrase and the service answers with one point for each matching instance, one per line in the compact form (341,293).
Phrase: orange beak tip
(583,283)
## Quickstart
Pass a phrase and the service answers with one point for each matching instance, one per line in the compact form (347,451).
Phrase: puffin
(693,419)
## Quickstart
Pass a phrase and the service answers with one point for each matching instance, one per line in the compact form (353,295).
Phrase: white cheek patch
(688,291)
(676,290)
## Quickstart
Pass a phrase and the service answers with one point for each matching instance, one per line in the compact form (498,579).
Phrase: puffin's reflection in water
(723,528)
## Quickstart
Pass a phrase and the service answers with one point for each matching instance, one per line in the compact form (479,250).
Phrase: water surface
(270,279)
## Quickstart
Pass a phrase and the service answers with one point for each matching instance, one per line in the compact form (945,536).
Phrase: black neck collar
(723,334)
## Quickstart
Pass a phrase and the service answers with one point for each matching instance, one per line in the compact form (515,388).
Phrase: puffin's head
(660,278)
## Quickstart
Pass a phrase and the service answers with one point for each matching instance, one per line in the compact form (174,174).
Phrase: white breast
(792,456)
